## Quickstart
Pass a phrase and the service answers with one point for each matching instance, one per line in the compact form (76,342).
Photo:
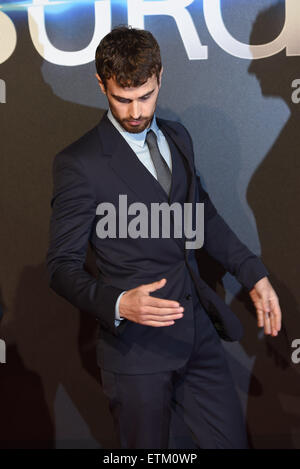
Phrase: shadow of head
(276,73)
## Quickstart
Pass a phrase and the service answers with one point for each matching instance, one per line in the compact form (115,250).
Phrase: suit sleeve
(222,244)
(73,214)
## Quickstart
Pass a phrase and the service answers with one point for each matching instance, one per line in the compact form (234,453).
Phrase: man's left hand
(267,306)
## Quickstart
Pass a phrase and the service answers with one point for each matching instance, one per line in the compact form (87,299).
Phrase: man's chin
(137,128)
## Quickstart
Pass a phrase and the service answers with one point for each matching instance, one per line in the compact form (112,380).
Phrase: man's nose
(135,110)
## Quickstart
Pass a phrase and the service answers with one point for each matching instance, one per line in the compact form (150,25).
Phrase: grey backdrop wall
(240,104)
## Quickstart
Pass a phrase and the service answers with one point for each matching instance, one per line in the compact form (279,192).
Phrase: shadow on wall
(273,194)
(49,344)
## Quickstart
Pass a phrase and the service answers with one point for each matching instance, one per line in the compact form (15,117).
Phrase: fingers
(277,313)
(260,317)
(140,307)
(266,316)
(267,323)
(159,323)
(150,287)
(159,310)
(160,303)
(267,306)
(275,316)
(272,321)
(158,317)
(162,314)
(269,317)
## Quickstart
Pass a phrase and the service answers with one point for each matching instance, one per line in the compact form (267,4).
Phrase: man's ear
(160,75)
(100,83)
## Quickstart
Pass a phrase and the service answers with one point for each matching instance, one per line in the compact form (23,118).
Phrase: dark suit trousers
(202,393)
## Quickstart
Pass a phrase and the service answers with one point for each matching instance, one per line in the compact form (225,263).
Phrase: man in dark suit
(159,346)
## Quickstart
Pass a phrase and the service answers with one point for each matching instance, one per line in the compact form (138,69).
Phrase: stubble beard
(144,124)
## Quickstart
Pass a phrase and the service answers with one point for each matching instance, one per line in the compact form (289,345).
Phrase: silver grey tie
(162,169)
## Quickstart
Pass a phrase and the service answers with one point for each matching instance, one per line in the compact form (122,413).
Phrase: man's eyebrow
(140,97)
(147,94)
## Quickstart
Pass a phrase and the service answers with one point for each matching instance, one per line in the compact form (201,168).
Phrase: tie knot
(151,138)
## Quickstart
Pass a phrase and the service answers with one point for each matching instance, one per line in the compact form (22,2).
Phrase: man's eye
(144,98)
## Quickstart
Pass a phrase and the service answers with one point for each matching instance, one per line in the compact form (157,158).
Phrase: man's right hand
(139,306)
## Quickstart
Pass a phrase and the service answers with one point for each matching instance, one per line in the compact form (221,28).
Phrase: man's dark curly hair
(128,55)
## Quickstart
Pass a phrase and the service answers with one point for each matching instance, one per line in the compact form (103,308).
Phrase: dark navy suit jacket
(97,168)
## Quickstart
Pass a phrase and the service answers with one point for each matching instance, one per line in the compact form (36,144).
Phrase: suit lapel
(180,144)
(176,142)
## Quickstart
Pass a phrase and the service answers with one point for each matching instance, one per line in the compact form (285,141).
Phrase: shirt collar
(139,138)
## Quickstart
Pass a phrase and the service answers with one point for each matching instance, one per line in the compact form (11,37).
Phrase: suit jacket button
(188,297)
